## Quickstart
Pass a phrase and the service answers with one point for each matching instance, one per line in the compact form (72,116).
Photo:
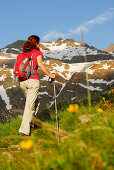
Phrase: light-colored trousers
(30,88)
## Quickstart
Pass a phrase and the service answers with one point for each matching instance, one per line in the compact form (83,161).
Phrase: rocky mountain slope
(110,49)
(70,76)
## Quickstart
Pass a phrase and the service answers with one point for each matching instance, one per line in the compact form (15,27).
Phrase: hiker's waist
(34,77)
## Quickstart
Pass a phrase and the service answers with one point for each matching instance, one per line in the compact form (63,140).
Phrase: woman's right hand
(52,76)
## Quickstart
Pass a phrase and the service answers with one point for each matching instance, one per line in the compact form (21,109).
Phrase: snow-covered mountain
(73,51)
(64,58)
(68,50)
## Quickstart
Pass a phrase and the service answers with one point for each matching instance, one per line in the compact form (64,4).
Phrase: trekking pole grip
(52,80)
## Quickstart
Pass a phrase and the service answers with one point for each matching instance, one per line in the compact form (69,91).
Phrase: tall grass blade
(87,77)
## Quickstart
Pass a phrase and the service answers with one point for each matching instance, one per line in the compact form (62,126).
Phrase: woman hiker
(31,85)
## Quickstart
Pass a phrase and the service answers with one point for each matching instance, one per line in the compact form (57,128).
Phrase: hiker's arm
(43,68)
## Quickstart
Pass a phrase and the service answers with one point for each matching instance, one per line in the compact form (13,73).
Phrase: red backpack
(24,65)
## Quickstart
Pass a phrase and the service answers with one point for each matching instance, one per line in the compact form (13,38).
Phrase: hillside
(85,140)
(66,59)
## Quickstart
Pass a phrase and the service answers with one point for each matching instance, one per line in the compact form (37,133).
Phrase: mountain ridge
(70,42)
(110,48)
(65,50)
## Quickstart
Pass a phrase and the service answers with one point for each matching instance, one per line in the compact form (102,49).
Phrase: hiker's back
(26,66)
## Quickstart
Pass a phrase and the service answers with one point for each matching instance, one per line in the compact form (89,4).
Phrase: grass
(86,142)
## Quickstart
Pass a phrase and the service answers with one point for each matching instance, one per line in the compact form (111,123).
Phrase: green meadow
(86,140)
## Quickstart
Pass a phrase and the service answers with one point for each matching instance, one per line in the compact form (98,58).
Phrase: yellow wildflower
(26,144)
(73,108)
(111,92)
(103,98)
(100,110)
(9,160)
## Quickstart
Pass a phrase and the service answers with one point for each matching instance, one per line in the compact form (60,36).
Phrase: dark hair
(31,44)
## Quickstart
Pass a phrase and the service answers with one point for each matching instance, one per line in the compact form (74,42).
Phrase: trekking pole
(57,119)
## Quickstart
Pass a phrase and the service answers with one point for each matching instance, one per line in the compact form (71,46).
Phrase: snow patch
(73,98)
(90,71)
(6,58)
(47,62)
(16,49)
(42,93)
(70,91)
(54,47)
(112,53)
(2,78)
(100,81)
(4,50)
(11,87)
(3,67)
(12,74)
(5,97)
(45,78)
(91,88)
(72,68)
(105,66)
(43,86)
(76,43)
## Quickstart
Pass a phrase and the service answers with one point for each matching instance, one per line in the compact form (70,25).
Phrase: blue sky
(53,19)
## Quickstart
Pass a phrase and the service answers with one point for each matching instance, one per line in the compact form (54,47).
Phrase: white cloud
(53,34)
(77,30)
(108,15)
